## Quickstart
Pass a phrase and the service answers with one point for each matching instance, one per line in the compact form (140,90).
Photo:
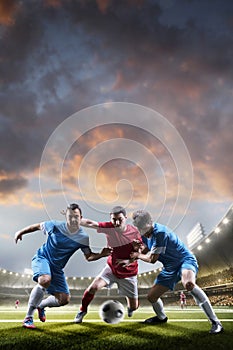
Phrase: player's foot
(79,316)
(41,314)
(130,312)
(28,323)
(216,327)
(155,320)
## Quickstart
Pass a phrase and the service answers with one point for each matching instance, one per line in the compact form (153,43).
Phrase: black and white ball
(112,311)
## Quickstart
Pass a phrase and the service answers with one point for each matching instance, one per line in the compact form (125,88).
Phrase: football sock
(35,299)
(86,299)
(158,309)
(203,301)
(51,301)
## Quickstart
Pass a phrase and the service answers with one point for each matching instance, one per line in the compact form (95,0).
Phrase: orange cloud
(5,236)
(103,5)
(8,9)
(122,83)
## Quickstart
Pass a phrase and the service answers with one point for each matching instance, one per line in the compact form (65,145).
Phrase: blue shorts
(172,277)
(41,266)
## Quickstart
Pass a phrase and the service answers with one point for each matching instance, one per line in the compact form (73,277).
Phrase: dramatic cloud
(59,57)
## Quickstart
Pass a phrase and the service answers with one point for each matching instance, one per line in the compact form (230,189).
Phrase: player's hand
(18,236)
(124,262)
(106,251)
(134,255)
(137,245)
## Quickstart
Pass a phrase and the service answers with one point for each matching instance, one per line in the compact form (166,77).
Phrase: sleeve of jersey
(159,245)
(85,243)
(104,226)
(47,227)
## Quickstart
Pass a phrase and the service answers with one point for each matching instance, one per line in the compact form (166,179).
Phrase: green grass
(187,329)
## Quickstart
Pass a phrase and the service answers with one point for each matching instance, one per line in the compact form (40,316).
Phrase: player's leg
(102,280)
(59,291)
(41,274)
(156,291)
(129,288)
(189,282)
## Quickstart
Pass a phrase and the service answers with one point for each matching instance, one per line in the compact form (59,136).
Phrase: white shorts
(127,286)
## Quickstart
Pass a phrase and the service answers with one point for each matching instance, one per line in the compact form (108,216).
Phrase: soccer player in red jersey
(120,269)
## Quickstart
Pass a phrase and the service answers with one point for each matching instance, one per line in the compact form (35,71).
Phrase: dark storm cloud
(60,56)
(11,185)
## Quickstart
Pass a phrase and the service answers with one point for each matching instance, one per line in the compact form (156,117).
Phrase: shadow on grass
(95,336)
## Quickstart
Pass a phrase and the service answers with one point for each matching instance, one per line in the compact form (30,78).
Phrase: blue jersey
(61,243)
(172,251)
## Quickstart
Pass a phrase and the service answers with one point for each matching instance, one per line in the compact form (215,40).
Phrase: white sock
(35,298)
(203,301)
(158,309)
(51,301)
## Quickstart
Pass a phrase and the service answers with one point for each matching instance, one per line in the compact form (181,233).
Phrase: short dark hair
(141,218)
(117,210)
(74,206)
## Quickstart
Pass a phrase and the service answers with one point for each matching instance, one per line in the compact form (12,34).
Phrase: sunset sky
(113,102)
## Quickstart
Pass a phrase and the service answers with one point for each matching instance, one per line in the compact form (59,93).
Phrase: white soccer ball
(112,311)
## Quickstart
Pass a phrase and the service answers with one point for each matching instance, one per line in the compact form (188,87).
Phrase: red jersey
(182,297)
(122,247)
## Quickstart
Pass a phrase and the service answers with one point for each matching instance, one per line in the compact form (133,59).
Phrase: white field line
(128,321)
(141,310)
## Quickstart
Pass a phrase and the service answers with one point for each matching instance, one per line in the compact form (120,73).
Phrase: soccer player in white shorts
(120,268)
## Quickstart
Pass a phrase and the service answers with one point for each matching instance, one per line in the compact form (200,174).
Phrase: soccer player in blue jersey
(161,244)
(64,239)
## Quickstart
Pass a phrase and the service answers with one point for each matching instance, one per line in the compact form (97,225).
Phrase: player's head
(73,217)
(143,221)
(118,217)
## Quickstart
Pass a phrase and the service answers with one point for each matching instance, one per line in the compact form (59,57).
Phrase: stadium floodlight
(225,221)
(207,240)
(74,278)
(199,247)
(217,230)
(195,235)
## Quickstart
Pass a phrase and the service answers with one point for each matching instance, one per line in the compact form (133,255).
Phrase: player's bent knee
(63,299)
(44,280)
(189,286)
(151,298)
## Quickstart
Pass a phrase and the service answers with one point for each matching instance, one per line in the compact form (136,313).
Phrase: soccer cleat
(130,312)
(28,323)
(41,314)
(79,316)
(155,320)
(216,327)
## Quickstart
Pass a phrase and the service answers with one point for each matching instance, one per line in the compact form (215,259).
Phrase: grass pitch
(186,329)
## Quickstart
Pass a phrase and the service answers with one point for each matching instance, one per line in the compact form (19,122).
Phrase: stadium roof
(215,251)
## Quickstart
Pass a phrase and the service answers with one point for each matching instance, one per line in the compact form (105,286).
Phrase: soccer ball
(112,311)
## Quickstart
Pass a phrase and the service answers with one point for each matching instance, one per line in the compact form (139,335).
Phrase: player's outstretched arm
(24,231)
(89,223)
(149,258)
(96,256)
